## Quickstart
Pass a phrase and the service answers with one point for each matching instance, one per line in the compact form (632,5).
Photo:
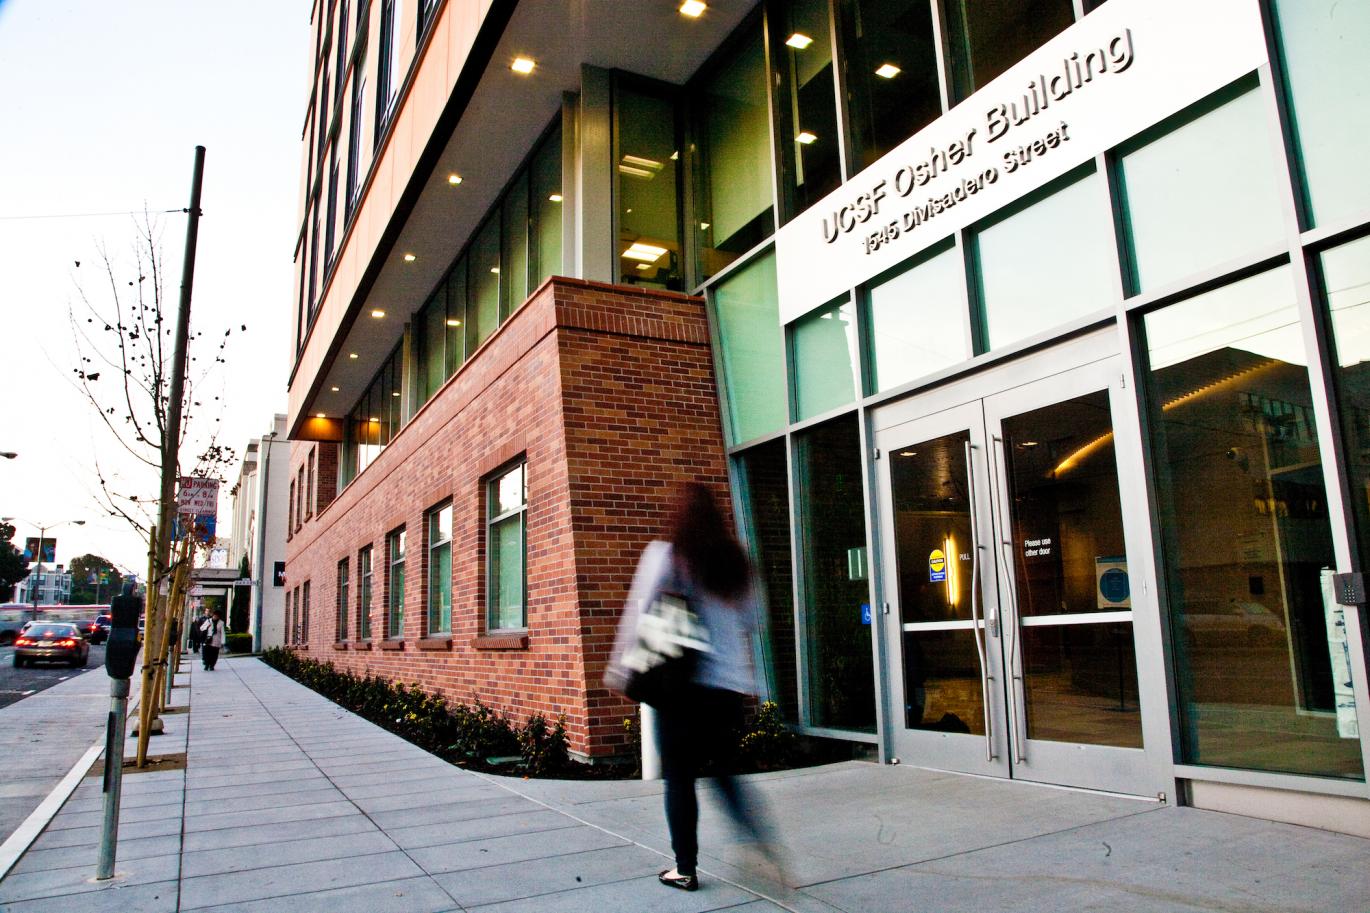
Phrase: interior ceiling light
(555,198)
(453,322)
(522,65)
(495,270)
(648,253)
(636,172)
(410,258)
(351,354)
(806,137)
(320,415)
(396,393)
(644,266)
(693,8)
(454,179)
(377,312)
(703,226)
(799,41)
(334,389)
(887,70)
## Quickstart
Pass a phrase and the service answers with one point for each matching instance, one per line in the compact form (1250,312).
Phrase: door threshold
(1153,800)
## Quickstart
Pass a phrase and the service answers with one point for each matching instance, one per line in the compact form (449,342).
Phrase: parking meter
(121,650)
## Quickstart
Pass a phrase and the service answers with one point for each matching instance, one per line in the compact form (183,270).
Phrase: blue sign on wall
(865,613)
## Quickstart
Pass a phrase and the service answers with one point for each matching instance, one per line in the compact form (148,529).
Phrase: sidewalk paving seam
(457,905)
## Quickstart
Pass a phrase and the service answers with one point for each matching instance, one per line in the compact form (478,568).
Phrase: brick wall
(608,394)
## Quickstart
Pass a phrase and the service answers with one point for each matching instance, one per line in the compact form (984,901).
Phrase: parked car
(98,631)
(10,625)
(52,642)
(90,629)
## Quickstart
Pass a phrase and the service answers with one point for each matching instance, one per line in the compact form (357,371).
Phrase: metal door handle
(1016,721)
(975,603)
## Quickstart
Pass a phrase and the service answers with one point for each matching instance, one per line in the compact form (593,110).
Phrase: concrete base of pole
(114,775)
(651,752)
(154,729)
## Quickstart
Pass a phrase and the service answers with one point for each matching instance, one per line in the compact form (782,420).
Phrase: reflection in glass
(1202,193)
(733,191)
(752,351)
(1328,73)
(514,259)
(483,284)
(364,594)
(547,196)
(394,623)
(943,691)
(832,542)
(806,103)
(1068,556)
(1346,278)
(1048,263)
(1243,513)
(456,317)
(440,570)
(917,321)
(824,355)
(766,491)
(648,191)
(988,38)
(891,73)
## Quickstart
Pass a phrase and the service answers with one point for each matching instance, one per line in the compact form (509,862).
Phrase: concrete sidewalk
(291,803)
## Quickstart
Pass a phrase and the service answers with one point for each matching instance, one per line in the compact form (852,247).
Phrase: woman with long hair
(705,563)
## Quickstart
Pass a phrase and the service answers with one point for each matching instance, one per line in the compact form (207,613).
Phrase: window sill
(434,643)
(500,642)
(340,645)
(360,645)
(392,645)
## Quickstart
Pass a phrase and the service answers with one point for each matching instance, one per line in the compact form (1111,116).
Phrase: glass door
(1009,609)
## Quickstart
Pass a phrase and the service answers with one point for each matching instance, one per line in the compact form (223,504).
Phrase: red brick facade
(608,394)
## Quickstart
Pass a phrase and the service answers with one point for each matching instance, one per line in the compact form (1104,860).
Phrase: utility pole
(171,445)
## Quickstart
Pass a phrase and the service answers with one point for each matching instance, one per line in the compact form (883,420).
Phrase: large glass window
(343,606)
(752,351)
(354,142)
(439,525)
(1203,192)
(394,595)
(506,531)
(364,594)
(388,81)
(1049,261)
(806,103)
(432,344)
(1246,534)
(513,272)
(547,213)
(455,321)
(648,188)
(836,595)
(917,321)
(1346,278)
(988,38)
(1323,43)
(823,353)
(734,195)
(766,497)
(891,74)
(483,283)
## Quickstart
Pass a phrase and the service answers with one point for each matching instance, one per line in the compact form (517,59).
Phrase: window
(309,487)
(439,525)
(988,38)
(325,117)
(341,67)
(299,499)
(354,142)
(370,423)
(507,510)
(290,511)
(752,351)
(343,605)
(547,197)
(806,103)
(394,616)
(426,9)
(648,198)
(388,80)
(1204,191)
(902,308)
(483,285)
(331,214)
(1346,283)
(304,616)
(513,266)
(364,594)
(734,197)
(314,260)
(824,359)
(1233,429)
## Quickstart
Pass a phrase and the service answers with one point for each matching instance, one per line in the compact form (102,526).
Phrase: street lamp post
(42,534)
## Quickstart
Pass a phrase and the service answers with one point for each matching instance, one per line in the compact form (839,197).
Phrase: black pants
(211,655)
(698,731)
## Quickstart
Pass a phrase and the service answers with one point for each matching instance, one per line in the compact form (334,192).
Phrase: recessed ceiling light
(908,453)
(522,65)
(693,8)
(377,312)
(555,198)
(887,70)
(495,270)
(395,393)
(453,322)
(704,226)
(334,389)
(454,179)
(799,41)
(806,137)
(320,415)
(374,419)
(644,266)
(410,258)
(648,253)
(351,354)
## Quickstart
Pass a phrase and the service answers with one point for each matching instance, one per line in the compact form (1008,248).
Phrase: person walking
(214,641)
(196,633)
(704,563)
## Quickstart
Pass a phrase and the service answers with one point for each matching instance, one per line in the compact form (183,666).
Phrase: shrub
(238,643)
(767,743)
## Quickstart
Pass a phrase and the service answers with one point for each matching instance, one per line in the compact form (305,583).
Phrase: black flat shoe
(673,880)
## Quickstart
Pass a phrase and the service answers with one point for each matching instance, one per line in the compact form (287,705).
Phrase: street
(17,684)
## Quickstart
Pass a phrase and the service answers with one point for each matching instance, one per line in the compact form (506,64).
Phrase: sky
(102,104)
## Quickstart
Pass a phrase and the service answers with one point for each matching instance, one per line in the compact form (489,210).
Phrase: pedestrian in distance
(214,640)
(703,566)
(197,634)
